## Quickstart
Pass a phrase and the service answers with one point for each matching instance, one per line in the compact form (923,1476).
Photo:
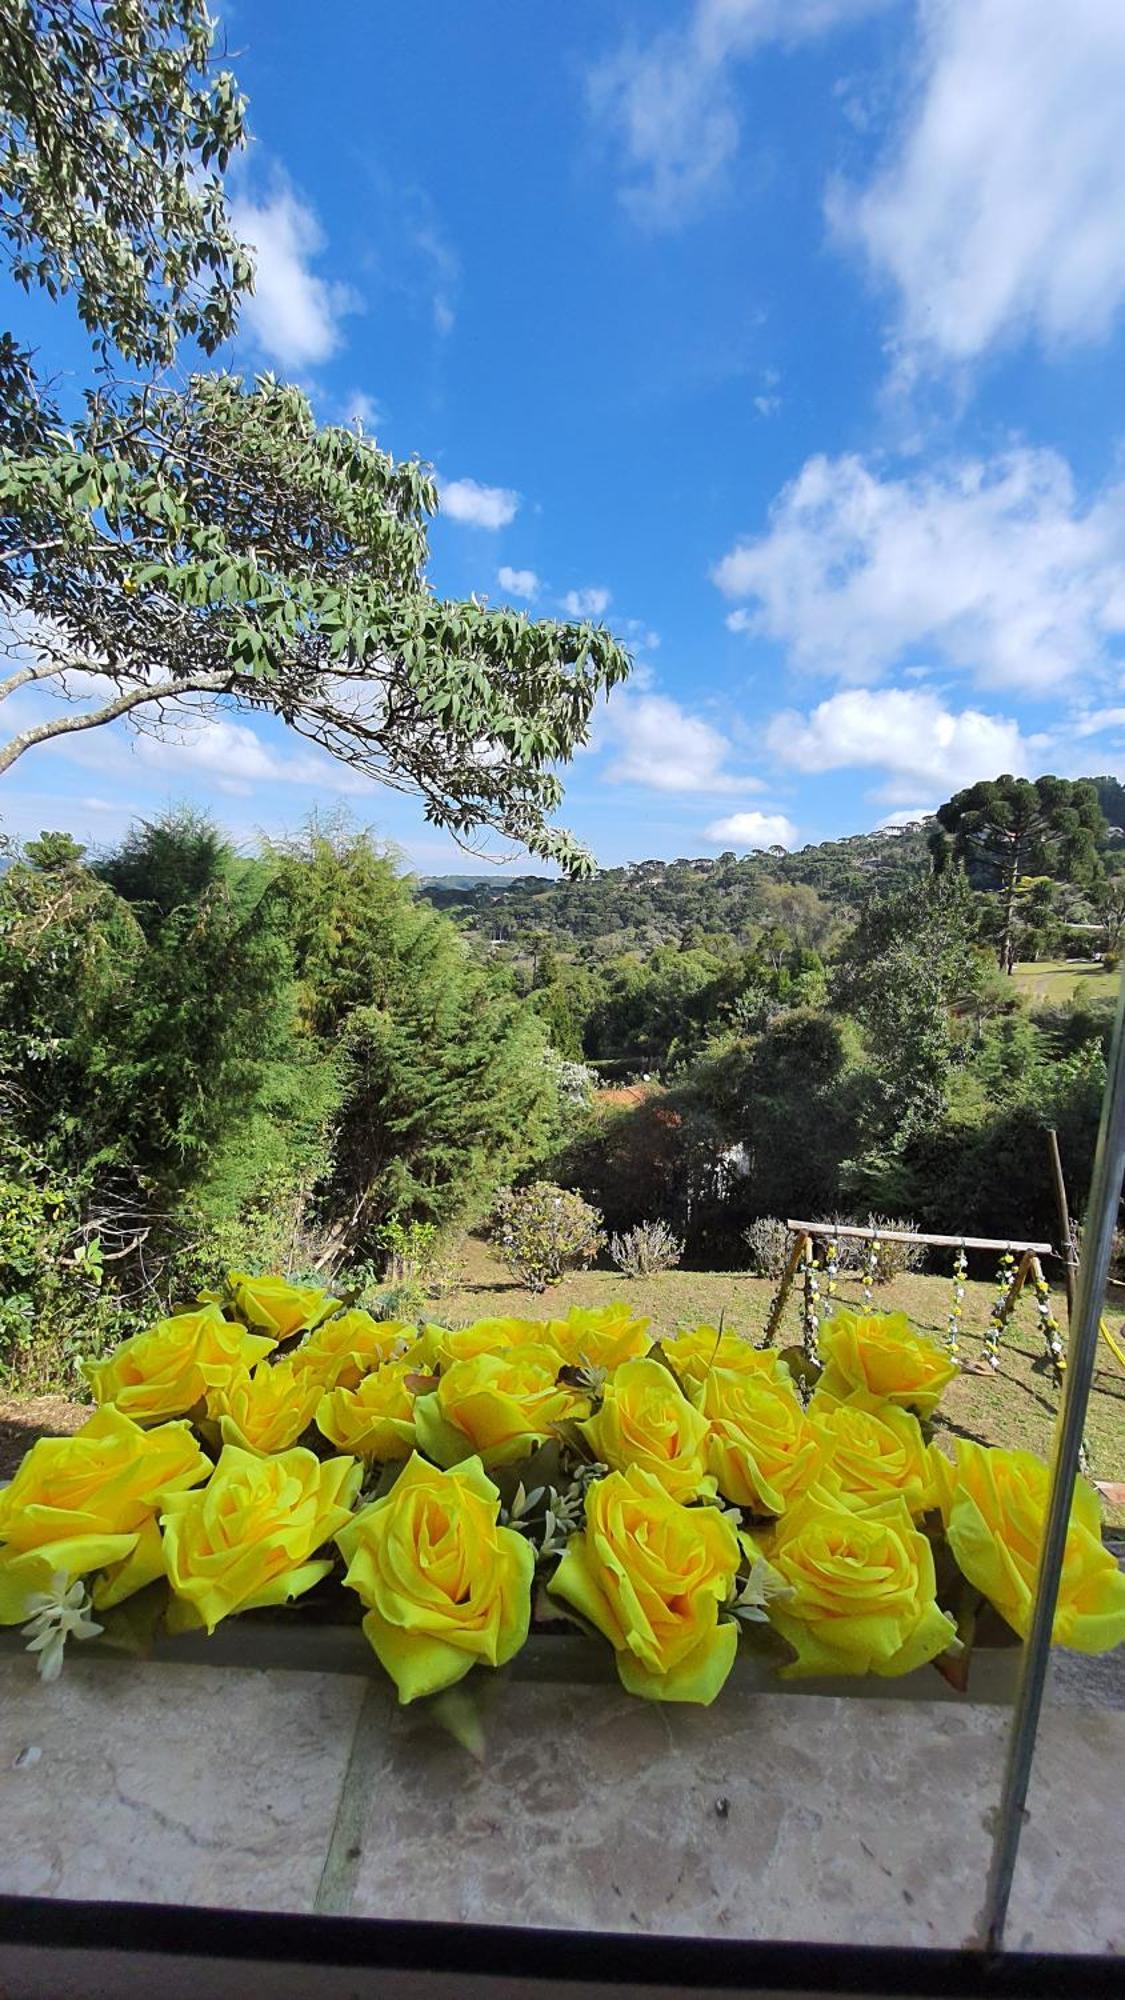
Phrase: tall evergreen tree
(1006,827)
(444,1088)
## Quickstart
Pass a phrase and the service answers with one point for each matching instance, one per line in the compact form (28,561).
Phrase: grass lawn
(1015,1407)
(1054,979)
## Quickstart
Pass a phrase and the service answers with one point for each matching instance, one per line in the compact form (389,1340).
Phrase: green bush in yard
(542,1230)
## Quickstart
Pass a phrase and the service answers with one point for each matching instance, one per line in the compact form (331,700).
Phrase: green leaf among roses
(806,1374)
(133,1626)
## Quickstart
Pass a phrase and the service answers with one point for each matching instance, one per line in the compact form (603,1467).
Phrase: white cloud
(588,603)
(518,582)
(767,406)
(991,566)
(906,735)
(189,739)
(236,758)
(292,315)
(905,816)
(1095,722)
(670,102)
(477,506)
(753,829)
(636,633)
(661,746)
(999,210)
(439,260)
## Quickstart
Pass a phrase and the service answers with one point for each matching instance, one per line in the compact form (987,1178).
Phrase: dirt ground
(24,1418)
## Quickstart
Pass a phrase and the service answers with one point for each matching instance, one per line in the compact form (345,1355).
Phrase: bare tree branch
(35,670)
(66,725)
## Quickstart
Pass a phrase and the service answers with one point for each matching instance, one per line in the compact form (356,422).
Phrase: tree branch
(44,732)
(38,670)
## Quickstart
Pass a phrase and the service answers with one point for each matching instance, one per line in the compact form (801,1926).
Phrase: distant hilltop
(646,903)
(703,864)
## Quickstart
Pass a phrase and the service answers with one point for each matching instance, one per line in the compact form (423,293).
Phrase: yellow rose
(863,1589)
(249,1537)
(600,1336)
(444,1585)
(880,1355)
(342,1351)
(167,1370)
(89,1502)
(273,1305)
(873,1452)
(267,1410)
(652,1574)
(993,1504)
(439,1345)
(646,1420)
(495,1406)
(377,1419)
(696,1351)
(761,1447)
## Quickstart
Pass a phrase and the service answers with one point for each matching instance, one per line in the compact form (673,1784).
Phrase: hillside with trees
(831,1030)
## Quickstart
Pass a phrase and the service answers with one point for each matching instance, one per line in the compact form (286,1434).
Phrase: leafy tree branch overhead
(115,131)
(211,543)
(215,541)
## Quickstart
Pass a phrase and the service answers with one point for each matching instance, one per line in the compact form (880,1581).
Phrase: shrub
(406,1301)
(646,1250)
(411,1250)
(769,1243)
(541,1230)
(895,1259)
(850,1250)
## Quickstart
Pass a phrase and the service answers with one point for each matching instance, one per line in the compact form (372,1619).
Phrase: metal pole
(1093,1269)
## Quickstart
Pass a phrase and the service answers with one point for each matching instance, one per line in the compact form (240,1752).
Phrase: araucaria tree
(1004,828)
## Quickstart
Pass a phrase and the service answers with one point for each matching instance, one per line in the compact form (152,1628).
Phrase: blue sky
(785,335)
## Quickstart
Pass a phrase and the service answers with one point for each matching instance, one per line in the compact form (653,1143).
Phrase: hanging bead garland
(831,1268)
(1049,1326)
(810,1313)
(956,1310)
(870,1268)
(1004,1277)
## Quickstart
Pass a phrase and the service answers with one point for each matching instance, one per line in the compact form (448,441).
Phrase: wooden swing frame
(806,1234)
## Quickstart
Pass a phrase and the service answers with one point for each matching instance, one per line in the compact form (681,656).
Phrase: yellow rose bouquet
(273,1450)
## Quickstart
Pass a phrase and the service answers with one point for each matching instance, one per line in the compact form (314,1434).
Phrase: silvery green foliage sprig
(563,1513)
(58,1613)
(590,1377)
(762,1588)
(956,1310)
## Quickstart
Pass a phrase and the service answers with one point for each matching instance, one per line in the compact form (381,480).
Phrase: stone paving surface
(774,1816)
(171,1784)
